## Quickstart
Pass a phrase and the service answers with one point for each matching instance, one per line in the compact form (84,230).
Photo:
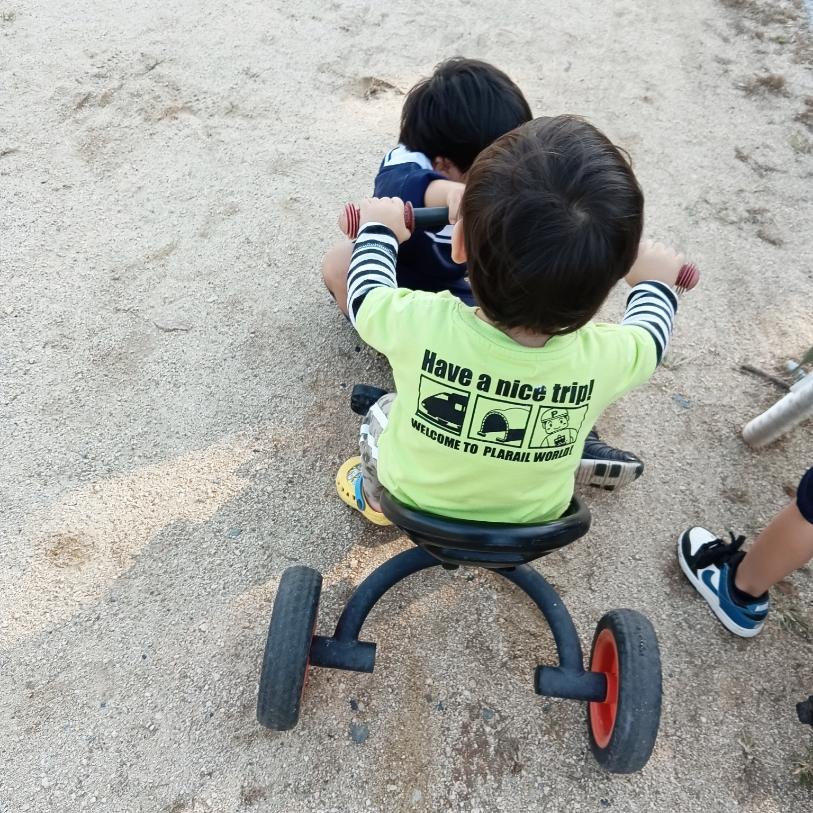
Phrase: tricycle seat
(486,544)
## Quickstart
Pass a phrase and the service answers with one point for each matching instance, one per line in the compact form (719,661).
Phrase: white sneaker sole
(608,475)
(711,598)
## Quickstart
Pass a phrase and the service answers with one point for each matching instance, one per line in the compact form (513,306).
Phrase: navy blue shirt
(425,260)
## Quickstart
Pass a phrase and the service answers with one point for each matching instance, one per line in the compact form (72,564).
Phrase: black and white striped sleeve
(652,305)
(372,265)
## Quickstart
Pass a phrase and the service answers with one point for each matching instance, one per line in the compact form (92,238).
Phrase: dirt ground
(173,407)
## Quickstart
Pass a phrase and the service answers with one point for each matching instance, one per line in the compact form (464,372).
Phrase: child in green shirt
(446,121)
(494,403)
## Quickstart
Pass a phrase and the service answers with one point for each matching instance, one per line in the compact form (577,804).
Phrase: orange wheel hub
(602,715)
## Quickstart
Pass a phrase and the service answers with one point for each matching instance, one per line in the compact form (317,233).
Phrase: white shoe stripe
(378,414)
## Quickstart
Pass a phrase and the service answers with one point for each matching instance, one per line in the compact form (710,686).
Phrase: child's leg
(334,272)
(735,584)
(357,479)
(784,546)
(374,424)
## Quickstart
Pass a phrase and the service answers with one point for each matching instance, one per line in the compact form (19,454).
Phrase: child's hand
(453,200)
(387,211)
(655,261)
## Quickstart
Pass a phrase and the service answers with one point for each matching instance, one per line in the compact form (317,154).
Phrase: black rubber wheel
(623,733)
(804,711)
(363,397)
(285,662)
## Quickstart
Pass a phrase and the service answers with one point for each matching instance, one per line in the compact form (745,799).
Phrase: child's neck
(526,338)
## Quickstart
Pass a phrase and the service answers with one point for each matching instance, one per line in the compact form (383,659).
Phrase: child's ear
(458,243)
(447,168)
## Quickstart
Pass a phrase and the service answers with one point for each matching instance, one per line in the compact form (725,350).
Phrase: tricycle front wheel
(624,726)
(287,649)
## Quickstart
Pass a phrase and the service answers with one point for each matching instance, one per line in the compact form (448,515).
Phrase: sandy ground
(173,406)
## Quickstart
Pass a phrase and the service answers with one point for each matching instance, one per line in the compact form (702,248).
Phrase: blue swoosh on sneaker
(706,577)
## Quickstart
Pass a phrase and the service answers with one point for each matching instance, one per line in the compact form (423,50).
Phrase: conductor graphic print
(557,427)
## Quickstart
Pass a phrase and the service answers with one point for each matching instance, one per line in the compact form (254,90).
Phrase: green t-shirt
(484,428)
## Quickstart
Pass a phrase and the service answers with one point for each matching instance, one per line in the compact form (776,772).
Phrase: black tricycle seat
(491,545)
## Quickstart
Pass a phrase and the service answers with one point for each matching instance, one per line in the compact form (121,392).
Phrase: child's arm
(372,263)
(652,303)
(655,261)
(409,176)
(445,193)
(406,175)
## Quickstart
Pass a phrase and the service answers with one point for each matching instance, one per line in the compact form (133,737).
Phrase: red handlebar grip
(687,278)
(350,219)
(409,217)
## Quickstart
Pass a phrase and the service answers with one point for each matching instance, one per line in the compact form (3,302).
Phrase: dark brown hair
(460,109)
(552,218)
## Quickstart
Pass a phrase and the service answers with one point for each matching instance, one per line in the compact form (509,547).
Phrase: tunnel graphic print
(496,421)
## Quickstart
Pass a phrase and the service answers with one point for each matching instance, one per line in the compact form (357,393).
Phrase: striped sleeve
(652,305)
(372,265)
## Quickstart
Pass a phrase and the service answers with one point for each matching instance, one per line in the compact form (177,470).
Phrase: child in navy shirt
(446,121)
(425,262)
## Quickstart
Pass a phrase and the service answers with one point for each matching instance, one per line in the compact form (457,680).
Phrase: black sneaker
(606,467)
